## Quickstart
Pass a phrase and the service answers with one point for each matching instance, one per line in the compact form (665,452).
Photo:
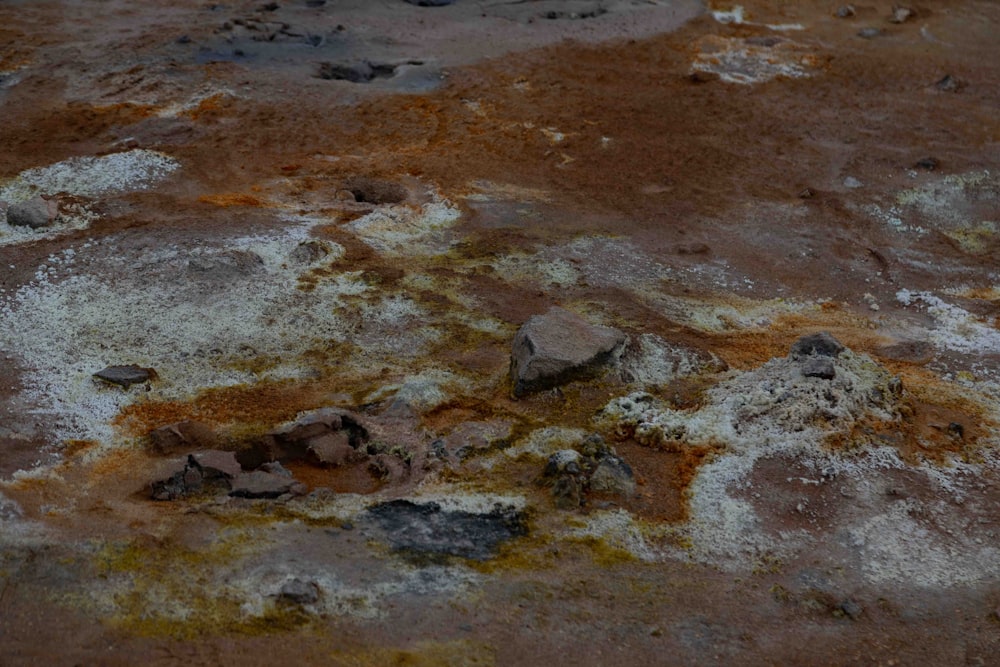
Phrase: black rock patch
(427,530)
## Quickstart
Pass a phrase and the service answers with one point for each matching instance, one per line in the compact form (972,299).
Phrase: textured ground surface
(286,207)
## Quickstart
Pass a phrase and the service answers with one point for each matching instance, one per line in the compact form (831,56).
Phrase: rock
(225,267)
(564,461)
(844,12)
(870,33)
(264,484)
(334,449)
(388,468)
(215,463)
(299,592)
(568,492)
(613,476)
(185,435)
(125,376)
(360,71)
(317,436)
(469,438)
(558,347)
(36,213)
(426,529)
(927,163)
(949,84)
(819,367)
(310,251)
(208,471)
(851,609)
(853,183)
(901,14)
(807,193)
(430,3)
(821,344)
(692,249)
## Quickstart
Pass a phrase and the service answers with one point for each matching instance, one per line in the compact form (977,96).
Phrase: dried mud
(291,206)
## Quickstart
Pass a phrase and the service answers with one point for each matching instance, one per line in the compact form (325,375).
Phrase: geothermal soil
(322,224)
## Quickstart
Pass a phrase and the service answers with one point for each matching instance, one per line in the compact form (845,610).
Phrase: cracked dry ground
(322,225)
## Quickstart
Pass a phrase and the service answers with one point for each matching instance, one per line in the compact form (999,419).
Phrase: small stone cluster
(595,468)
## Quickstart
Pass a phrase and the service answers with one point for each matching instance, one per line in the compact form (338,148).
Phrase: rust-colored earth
(354,205)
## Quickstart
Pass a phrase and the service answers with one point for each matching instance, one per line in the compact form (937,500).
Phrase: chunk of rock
(35,213)
(820,344)
(430,3)
(949,84)
(901,14)
(321,436)
(360,71)
(181,436)
(225,267)
(125,376)
(310,251)
(425,529)
(208,471)
(819,367)
(613,476)
(558,347)
(215,463)
(568,492)
(844,12)
(564,461)
(870,33)
(299,592)
(265,484)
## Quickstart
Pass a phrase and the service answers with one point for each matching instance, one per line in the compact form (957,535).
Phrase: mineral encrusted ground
(370,333)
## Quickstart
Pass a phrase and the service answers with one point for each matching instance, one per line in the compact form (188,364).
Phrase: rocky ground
(479,332)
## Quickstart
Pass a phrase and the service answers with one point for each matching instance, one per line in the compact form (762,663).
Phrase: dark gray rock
(613,476)
(182,436)
(564,461)
(203,472)
(949,84)
(821,344)
(844,12)
(426,530)
(819,367)
(299,592)
(125,376)
(358,71)
(851,609)
(870,33)
(558,347)
(430,3)
(35,213)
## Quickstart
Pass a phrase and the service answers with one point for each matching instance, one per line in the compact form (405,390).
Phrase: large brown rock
(558,347)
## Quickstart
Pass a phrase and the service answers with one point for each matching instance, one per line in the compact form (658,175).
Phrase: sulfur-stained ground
(349,208)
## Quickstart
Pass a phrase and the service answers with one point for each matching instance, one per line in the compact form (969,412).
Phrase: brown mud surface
(291,207)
